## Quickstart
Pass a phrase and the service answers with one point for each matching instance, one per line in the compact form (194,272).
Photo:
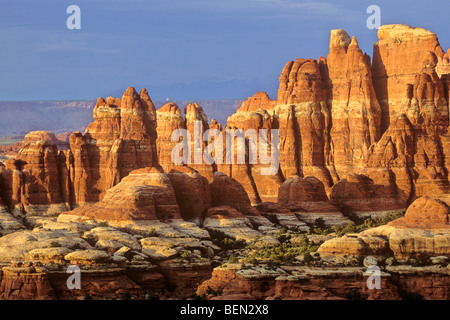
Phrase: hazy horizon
(180,50)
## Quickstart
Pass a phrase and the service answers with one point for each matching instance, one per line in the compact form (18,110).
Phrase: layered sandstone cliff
(354,137)
(336,117)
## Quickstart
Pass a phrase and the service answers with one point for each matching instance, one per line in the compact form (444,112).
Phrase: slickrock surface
(225,221)
(286,215)
(8,223)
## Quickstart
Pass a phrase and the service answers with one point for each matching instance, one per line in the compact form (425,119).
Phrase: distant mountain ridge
(58,116)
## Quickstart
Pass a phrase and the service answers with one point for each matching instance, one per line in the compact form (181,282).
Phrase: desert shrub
(233,259)
(320,223)
(356,219)
(251,260)
(319,227)
(390,216)
(319,231)
(282,235)
(272,265)
(284,253)
(221,240)
(340,230)
(307,258)
(360,224)
(422,260)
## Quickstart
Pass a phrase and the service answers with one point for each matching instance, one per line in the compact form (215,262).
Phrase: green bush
(232,259)
(340,230)
(320,223)
(319,227)
(251,260)
(308,258)
(272,265)
(360,224)
(282,235)
(283,253)
(221,240)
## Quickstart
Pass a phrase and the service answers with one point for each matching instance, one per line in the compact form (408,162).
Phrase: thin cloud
(276,7)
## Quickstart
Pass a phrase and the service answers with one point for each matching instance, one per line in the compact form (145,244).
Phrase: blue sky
(180,49)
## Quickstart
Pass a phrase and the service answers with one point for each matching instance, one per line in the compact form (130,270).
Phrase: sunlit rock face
(356,139)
